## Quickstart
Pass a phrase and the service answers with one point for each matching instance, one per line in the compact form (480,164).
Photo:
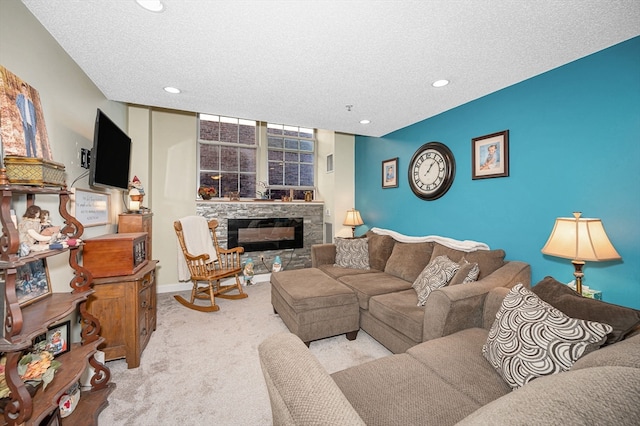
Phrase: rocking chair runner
(205,271)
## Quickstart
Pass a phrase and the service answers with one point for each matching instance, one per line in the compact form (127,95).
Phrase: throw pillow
(467,273)
(531,339)
(352,253)
(435,275)
(407,260)
(623,320)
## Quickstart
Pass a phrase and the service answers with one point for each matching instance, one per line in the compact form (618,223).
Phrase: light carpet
(203,368)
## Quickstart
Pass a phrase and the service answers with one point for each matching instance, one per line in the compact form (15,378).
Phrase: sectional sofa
(455,379)
(372,283)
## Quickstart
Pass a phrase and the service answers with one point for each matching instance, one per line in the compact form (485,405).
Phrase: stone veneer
(312,212)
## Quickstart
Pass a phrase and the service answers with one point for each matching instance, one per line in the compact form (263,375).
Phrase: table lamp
(580,239)
(353,219)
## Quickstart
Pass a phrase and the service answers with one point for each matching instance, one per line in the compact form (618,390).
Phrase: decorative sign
(91,208)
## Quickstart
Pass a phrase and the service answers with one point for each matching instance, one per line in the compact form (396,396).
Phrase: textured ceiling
(303,62)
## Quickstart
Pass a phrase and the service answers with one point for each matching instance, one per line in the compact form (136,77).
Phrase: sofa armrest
(323,254)
(458,307)
(300,389)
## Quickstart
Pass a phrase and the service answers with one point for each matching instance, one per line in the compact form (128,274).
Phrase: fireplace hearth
(261,234)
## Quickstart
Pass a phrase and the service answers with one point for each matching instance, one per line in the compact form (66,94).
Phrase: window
(291,159)
(227,152)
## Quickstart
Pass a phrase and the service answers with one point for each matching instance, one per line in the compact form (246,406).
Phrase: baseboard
(186,286)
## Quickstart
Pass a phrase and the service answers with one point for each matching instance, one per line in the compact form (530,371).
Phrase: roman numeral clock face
(431,171)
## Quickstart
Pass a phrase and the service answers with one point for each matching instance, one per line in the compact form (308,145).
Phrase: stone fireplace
(311,213)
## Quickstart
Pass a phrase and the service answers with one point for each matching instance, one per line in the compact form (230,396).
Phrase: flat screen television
(110,156)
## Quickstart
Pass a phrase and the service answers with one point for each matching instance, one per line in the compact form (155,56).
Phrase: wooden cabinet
(126,308)
(137,222)
(22,324)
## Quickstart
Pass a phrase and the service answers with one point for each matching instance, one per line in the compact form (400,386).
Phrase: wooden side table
(126,308)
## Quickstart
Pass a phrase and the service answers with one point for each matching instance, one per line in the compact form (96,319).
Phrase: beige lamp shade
(353,218)
(580,239)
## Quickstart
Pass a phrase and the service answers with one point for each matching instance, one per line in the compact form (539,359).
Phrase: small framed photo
(57,338)
(490,155)
(32,282)
(390,173)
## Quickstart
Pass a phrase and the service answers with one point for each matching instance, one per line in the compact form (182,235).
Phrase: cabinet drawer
(146,281)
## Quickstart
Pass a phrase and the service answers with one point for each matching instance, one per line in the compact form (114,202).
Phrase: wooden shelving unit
(22,324)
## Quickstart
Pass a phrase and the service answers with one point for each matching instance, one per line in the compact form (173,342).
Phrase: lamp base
(577,265)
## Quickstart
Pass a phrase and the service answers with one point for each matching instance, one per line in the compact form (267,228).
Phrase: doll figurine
(29,230)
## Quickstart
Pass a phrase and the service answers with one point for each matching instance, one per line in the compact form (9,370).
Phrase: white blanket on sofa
(466,245)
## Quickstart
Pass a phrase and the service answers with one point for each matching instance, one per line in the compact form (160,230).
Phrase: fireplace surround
(312,212)
(260,234)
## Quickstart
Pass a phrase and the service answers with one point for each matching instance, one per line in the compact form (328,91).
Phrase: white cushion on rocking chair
(198,240)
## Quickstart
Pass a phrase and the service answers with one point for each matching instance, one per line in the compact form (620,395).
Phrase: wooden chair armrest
(238,250)
(201,257)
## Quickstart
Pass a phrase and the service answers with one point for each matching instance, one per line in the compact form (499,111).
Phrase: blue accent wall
(574,146)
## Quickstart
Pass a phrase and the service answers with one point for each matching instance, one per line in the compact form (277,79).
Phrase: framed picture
(57,338)
(390,173)
(490,156)
(22,129)
(32,282)
(91,208)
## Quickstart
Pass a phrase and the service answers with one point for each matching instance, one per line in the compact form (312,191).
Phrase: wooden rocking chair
(205,271)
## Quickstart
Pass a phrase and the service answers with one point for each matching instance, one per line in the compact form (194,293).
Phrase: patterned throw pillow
(531,339)
(435,275)
(467,273)
(352,253)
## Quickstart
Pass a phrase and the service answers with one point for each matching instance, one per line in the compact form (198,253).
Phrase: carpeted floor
(203,368)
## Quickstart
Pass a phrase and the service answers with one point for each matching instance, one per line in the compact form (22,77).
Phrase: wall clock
(431,171)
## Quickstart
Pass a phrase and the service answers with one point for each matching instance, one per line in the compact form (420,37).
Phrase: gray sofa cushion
(400,311)
(337,271)
(396,390)
(458,358)
(380,248)
(623,354)
(407,260)
(367,285)
(487,260)
(594,396)
(316,291)
(622,319)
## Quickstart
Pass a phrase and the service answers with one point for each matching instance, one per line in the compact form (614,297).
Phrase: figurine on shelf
(45,222)
(34,238)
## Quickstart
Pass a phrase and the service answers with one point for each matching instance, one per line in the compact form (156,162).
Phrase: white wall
(336,188)
(69,102)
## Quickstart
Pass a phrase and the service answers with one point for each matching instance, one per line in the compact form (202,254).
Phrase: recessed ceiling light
(440,83)
(365,121)
(151,5)
(173,90)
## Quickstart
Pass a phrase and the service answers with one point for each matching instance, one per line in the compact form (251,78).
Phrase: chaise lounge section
(377,291)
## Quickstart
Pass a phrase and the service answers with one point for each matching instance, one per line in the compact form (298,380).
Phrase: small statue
(248,272)
(29,230)
(277,264)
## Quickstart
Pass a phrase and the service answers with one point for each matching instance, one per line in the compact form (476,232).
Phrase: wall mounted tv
(110,156)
